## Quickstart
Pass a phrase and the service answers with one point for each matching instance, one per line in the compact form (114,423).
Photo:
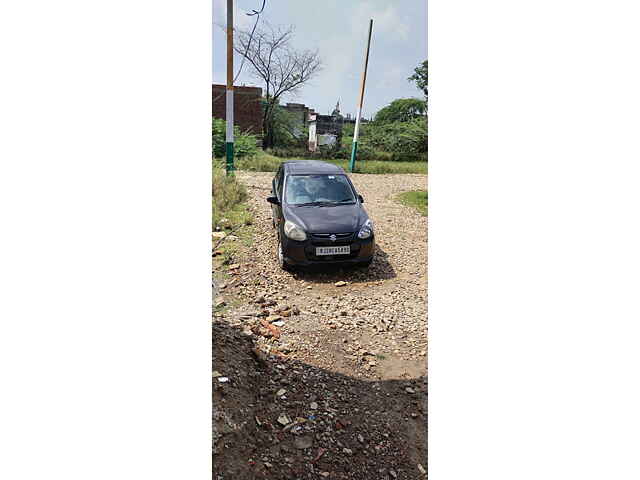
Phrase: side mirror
(360,198)
(273,200)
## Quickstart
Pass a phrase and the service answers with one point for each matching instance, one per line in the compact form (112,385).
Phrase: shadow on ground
(380,269)
(349,428)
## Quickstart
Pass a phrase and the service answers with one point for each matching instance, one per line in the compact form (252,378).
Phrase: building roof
(238,88)
(302,167)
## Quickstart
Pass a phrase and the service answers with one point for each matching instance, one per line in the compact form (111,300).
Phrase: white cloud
(338,29)
(385,20)
(240,18)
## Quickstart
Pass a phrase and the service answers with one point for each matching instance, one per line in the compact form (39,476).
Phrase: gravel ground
(325,381)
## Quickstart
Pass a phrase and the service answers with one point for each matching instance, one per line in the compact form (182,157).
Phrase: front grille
(327,235)
(325,238)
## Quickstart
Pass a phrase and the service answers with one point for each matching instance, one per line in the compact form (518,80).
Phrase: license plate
(346,250)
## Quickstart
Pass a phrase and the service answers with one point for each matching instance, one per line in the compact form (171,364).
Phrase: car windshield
(318,190)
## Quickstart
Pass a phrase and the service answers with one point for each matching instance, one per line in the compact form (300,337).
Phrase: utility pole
(354,149)
(229,103)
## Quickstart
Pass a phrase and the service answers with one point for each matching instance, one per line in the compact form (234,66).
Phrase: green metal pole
(229,100)
(354,149)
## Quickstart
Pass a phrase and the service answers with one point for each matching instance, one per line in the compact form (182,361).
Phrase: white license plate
(346,250)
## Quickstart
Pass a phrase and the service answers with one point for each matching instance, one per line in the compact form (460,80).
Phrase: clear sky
(338,29)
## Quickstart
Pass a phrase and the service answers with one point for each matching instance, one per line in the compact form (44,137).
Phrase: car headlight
(367,230)
(294,232)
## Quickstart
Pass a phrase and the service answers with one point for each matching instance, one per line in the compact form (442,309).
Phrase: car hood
(335,219)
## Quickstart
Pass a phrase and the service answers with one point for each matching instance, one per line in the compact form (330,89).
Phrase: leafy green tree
(401,110)
(420,76)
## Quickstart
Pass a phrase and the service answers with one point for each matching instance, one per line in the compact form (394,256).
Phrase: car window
(333,189)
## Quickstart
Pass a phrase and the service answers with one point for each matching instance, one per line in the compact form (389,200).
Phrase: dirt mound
(236,379)
(280,418)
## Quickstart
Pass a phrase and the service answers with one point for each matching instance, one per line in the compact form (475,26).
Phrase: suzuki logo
(333,238)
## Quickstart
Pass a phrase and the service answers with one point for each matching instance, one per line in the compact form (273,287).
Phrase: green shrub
(398,141)
(244,144)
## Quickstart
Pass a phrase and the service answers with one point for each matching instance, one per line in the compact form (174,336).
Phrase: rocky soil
(323,374)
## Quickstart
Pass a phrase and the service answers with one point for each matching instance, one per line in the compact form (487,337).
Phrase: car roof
(302,167)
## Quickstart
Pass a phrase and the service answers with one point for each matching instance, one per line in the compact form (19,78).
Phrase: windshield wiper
(324,203)
(312,204)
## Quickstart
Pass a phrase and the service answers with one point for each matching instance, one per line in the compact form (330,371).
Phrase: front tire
(280,256)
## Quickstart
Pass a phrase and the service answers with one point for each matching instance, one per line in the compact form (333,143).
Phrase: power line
(244,56)
(257,13)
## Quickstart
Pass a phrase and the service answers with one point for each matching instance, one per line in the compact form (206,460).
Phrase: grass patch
(230,213)
(228,252)
(382,167)
(263,162)
(231,251)
(229,202)
(417,199)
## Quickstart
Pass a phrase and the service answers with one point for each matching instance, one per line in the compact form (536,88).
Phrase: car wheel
(283,265)
(366,264)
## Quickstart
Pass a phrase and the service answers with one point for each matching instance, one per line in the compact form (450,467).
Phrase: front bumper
(304,253)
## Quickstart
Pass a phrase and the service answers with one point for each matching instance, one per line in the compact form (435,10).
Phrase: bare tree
(282,69)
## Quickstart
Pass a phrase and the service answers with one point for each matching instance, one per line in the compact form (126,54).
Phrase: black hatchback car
(319,216)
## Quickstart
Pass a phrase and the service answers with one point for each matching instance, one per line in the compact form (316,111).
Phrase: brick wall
(247,111)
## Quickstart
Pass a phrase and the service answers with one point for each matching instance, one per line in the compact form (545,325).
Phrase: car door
(279,193)
(276,190)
